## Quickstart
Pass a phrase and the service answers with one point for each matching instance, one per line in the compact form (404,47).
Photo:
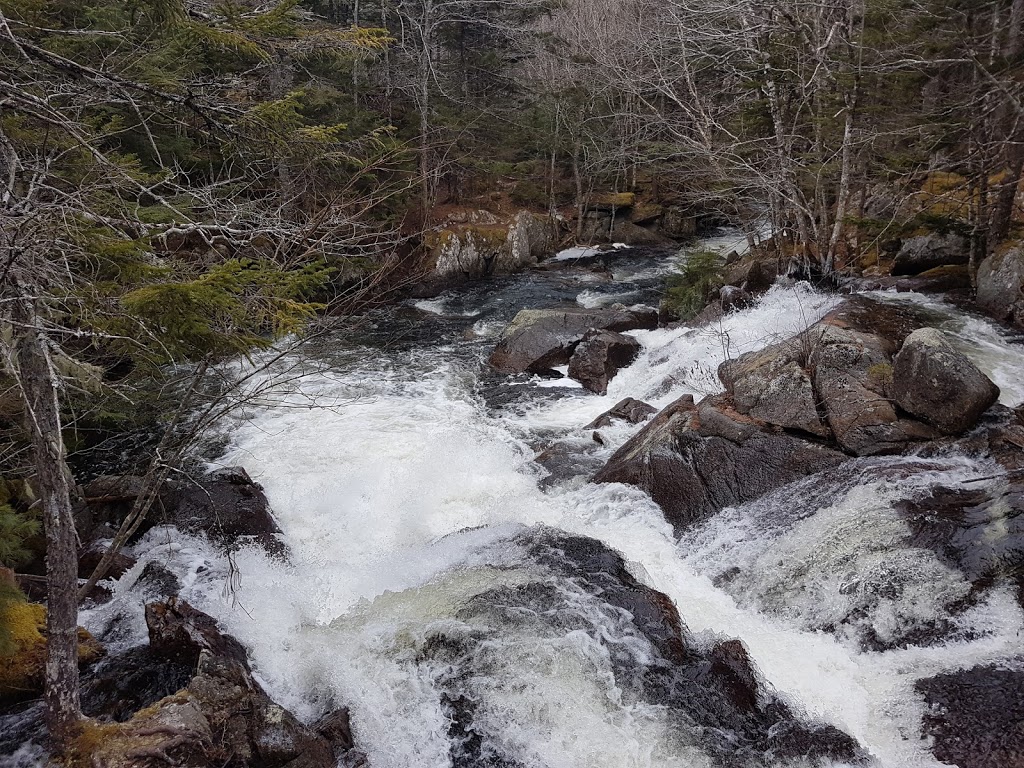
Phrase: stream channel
(437,581)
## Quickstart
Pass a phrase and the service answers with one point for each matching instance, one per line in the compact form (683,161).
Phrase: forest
(192,190)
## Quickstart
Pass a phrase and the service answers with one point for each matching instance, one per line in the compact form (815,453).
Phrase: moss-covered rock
(23,647)
(474,249)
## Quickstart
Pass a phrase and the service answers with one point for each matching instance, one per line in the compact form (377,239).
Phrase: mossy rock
(23,651)
(613,200)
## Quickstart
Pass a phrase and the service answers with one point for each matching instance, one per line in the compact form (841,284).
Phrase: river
(402,473)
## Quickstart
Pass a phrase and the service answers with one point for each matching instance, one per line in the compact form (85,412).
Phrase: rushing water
(402,475)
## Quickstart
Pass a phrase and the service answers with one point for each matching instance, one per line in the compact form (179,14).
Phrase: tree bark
(39,385)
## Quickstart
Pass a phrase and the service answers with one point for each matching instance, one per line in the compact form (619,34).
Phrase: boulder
(1001,285)
(222,716)
(696,460)
(974,718)
(919,254)
(179,632)
(538,340)
(629,233)
(732,298)
(771,385)
(852,373)
(226,505)
(629,410)
(599,356)
(122,684)
(754,272)
(938,384)
(833,380)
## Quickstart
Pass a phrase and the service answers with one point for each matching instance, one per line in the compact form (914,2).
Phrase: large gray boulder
(832,381)
(695,460)
(938,384)
(771,385)
(852,372)
(599,356)
(919,254)
(541,339)
(1001,285)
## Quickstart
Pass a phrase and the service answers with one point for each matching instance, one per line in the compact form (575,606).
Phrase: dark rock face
(732,298)
(938,384)
(696,460)
(90,558)
(629,233)
(599,356)
(629,409)
(714,697)
(919,254)
(540,339)
(1001,286)
(123,684)
(976,717)
(179,632)
(227,506)
(221,716)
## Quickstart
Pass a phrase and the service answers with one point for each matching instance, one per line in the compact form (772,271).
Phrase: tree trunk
(39,385)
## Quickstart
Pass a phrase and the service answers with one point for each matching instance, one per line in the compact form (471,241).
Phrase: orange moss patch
(23,660)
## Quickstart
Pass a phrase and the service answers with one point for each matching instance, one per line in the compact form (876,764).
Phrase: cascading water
(412,514)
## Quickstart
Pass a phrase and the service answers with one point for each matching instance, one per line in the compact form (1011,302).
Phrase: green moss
(689,290)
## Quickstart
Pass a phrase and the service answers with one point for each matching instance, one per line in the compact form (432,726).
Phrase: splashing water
(402,505)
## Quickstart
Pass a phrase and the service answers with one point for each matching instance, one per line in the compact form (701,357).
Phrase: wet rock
(541,339)
(629,410)
(975,717)
(710,692)
(919,254)
(938,384)
(222,716)
(336,727)
(694,462)
(571,460)
(227,506)
(121,685)
(158,582)
(599,356)
(732,298)
(978,529)
(179,632)
(90,558)
(1001,285)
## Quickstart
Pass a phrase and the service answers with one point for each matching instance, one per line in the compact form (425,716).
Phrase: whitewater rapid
(400,492)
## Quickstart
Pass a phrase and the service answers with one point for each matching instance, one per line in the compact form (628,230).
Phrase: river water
(402,473)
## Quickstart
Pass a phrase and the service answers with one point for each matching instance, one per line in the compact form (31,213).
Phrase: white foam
(395,504)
